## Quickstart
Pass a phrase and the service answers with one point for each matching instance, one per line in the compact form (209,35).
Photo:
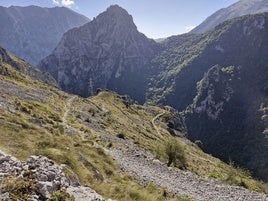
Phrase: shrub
(121,135)
(17,188)
(199,143)
(61,196)
(175,153)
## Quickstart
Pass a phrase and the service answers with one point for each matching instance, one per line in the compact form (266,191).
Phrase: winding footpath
(184,183)
(67,110)
(143,166)
(153,122)
(68,128)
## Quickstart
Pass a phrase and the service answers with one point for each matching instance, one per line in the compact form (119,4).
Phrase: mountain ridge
(33,32)
(240,8)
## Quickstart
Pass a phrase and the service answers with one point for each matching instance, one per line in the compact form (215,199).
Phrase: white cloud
(55,2)
(189,28)
(66,3)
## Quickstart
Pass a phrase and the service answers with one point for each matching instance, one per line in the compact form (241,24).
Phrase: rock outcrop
(38,178)
(108,52)
(33,32)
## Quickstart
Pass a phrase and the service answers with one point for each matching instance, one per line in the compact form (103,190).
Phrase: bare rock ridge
(41,178)
(242,7)
(107,52)
(33,32)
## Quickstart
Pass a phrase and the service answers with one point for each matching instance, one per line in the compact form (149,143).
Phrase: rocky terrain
(33,32)
(108,52)
(39,178)
(242,7)
(145,167)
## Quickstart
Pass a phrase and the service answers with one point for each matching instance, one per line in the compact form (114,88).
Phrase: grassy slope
(31,115)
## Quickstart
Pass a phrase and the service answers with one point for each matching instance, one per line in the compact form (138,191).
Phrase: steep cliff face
(228,108)
(239,42)
(33,32)
(242,7)
(229,115)
(108,52)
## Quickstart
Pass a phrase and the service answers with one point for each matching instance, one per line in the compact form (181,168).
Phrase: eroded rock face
(108,52)
(33,32)
(227,115)
(208,99)
(45,177)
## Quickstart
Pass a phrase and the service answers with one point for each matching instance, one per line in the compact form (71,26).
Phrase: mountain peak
(116,15)
(116,7)
(24,30)
(107,51)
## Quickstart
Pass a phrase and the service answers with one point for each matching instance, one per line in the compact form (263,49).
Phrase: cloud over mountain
(66,3)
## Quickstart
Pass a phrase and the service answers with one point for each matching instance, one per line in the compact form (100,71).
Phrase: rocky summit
(108,52)
(33,32)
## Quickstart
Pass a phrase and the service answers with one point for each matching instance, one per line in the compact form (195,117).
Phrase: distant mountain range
(242,7)
(33,32)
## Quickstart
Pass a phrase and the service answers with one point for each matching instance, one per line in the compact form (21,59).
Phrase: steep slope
(87,134)
(229,115)
(8,60)
(33,32)
(242,7)
(229,110)
(185,59)
(108,52)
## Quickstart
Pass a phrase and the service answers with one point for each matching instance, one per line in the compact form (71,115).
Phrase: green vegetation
(17,189)
(199,143)
(175,153)
(60,196)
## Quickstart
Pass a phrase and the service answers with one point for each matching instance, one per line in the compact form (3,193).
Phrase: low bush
(175,153)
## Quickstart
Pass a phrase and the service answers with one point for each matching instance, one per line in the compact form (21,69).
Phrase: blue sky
(154,18)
